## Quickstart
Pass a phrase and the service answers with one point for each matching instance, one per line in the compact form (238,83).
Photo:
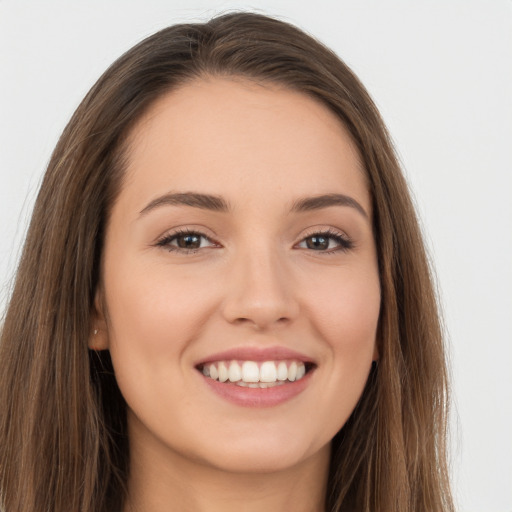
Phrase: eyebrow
(219,204)
(194,199)
(324,201)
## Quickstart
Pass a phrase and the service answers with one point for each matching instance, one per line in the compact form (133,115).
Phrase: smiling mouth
(252,374)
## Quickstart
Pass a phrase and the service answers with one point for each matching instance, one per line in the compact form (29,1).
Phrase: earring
(95,332)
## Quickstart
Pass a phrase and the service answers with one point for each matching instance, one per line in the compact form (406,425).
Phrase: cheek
(153,308)
(346,319)
(347,313)
(153,319)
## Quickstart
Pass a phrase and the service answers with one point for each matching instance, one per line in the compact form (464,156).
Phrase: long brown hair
(63,444)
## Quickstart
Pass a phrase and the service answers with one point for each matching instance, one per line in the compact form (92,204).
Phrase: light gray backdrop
(441,73)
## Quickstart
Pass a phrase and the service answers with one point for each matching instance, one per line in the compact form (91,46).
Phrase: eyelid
(197,229)
(165,240)
(345,242)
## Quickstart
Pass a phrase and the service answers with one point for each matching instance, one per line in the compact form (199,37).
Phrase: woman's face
(239,254)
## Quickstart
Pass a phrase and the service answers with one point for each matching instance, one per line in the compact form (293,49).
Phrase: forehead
(244,139)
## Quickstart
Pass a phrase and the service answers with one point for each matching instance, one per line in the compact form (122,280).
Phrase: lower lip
(258,397)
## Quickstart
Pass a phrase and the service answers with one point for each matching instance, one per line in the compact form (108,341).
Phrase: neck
(162,481)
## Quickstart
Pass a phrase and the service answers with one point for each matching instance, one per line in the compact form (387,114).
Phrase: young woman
(224,301)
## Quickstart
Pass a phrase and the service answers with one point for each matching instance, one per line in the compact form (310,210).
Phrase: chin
(265,454)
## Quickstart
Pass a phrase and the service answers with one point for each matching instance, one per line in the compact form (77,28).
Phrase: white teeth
(268,372)
(282,371)
(250,372)
(243,384)
(235,372)
(292,371)
(223,372)
(255,375)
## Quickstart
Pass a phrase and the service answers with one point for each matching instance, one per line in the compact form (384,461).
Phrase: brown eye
(327,242)
(188,241)
(317,242)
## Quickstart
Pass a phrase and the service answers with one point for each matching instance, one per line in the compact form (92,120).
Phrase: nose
(260,291)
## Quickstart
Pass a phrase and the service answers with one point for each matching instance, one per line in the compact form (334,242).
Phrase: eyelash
(167,239)
(345,244)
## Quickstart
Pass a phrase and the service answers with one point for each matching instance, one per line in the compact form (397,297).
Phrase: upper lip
(256,354)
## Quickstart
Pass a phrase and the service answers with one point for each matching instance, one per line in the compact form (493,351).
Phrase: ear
(98,337)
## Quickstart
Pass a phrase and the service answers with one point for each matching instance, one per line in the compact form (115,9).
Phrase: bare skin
(156,486)
(264,267)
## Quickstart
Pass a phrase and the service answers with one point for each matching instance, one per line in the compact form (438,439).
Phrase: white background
(441,73)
